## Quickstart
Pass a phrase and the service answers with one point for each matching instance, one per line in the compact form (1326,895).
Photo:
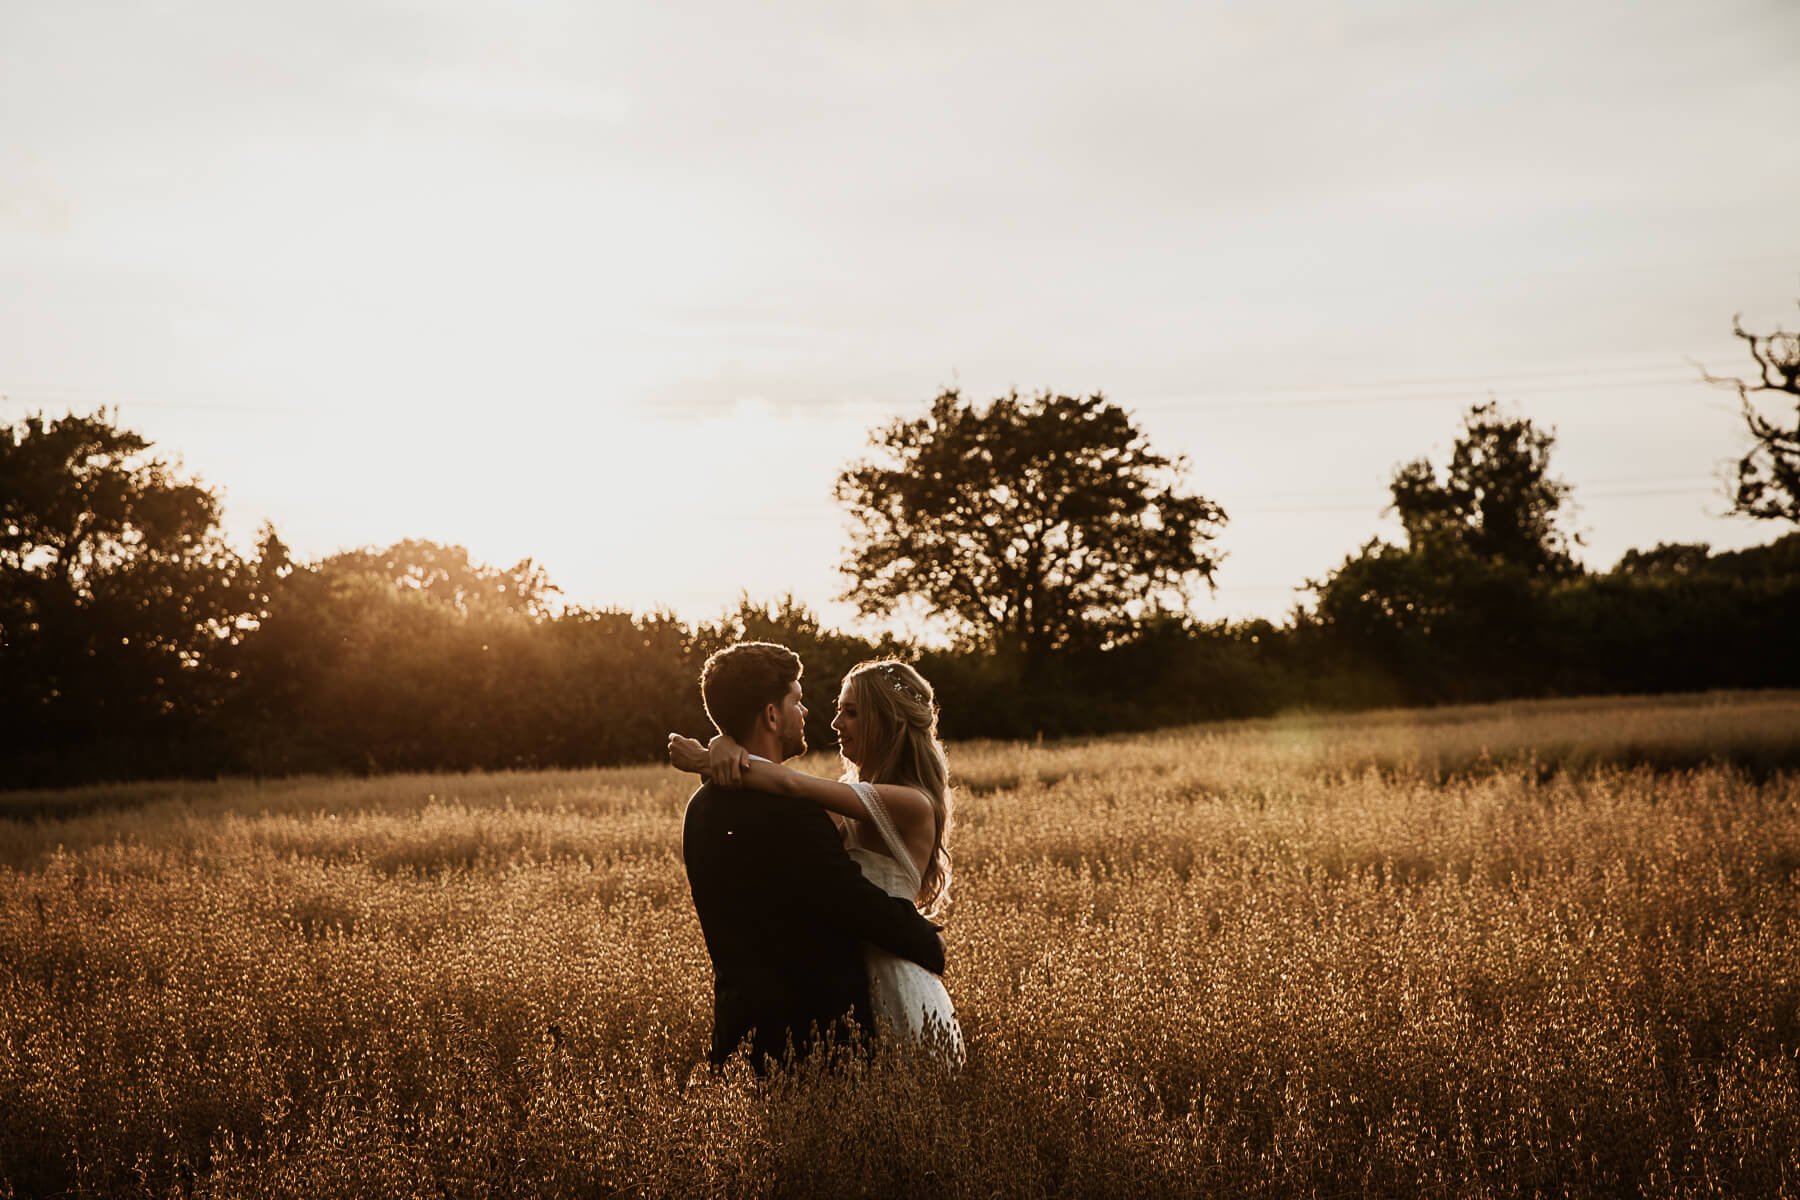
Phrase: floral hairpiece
(891,673)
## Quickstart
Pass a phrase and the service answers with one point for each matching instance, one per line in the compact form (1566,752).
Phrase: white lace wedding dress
(907,999)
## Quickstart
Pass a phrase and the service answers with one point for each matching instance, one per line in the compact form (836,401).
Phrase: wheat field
(1547,948)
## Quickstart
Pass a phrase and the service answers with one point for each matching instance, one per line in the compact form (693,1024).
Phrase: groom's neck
(765,743)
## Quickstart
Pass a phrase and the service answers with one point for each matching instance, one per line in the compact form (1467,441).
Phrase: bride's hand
(686,754)
(726,761)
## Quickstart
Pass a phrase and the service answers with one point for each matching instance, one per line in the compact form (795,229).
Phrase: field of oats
(1544,948)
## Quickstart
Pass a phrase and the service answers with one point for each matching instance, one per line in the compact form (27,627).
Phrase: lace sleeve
(878,815)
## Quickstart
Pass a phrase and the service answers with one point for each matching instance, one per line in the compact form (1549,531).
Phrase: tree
(1027,525)
(1767,479)
(1495,500)
(1667,560)
(117,590)
(446,574)
(409,656)
(1452,614)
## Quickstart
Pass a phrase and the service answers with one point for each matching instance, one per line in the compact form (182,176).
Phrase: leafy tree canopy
(1026,524)
(1779,559)
(1458,604)
(81,499)
(117,589)
(1665,560)
(1495,500)
(447,575)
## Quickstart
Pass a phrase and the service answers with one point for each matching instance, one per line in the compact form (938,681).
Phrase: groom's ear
(771,717)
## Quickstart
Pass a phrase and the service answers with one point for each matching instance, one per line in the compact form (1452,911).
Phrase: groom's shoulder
(711,803)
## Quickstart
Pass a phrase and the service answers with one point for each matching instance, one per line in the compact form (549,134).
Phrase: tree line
(1055,549)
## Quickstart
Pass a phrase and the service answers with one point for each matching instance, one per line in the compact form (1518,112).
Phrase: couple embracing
(815,896)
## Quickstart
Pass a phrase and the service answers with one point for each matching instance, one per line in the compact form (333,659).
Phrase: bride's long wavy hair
(898,714)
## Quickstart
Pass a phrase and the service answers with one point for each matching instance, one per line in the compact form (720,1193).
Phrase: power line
(1497,377)
(1228,397)
(1618,487)
(1220,400)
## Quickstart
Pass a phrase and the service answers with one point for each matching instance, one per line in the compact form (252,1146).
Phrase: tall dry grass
(1522,949)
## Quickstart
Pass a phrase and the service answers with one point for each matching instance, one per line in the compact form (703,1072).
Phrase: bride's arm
(904,804)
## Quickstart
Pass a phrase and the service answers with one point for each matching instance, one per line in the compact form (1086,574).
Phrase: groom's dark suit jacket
(785,912)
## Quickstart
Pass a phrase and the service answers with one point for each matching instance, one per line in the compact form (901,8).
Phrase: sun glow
(625,506)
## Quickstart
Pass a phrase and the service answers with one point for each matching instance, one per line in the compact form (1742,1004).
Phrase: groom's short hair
(738,681)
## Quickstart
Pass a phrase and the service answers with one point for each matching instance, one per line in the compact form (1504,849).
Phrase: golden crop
(1538,948)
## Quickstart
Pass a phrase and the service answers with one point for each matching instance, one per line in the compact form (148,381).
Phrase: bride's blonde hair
(898,714)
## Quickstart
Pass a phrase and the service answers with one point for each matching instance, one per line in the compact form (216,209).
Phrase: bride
(892,805)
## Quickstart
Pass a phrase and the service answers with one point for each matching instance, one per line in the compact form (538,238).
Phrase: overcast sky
(622,287)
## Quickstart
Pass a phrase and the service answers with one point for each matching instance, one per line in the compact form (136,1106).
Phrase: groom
(784,910)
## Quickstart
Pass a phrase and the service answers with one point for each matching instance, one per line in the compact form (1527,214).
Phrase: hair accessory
(891,673)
